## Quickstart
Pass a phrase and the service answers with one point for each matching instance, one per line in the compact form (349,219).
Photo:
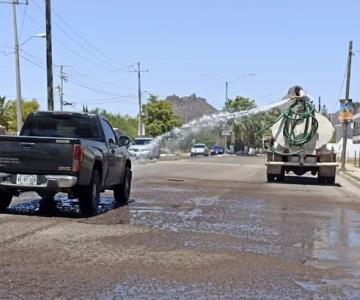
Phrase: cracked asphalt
(203,228)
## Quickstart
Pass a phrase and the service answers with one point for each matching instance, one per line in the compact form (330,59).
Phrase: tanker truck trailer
(298,143)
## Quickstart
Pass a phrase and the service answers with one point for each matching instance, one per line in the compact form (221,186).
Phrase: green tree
(239,104)
(4,112)
(128,125)
(27,107)
(159,116)
(245,128)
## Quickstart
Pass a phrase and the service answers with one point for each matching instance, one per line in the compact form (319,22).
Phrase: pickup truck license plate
(26,179)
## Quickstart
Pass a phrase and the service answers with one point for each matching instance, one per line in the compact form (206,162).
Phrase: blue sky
(284,42)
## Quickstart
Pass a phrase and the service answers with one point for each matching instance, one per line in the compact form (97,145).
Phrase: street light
(227,81)
(39,35)
(17,68)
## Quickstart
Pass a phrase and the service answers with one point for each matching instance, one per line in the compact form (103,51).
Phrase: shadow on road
(304,180)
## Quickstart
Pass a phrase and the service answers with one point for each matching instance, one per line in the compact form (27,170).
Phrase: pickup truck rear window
(61,126)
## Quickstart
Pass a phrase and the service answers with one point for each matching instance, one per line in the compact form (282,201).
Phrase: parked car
(74,153)
(144,148)
(199,149)
(216,150)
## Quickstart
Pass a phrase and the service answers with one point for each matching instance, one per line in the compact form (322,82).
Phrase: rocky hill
(190,107)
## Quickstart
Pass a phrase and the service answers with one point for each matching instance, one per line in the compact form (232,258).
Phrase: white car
(199,149)
(144,148)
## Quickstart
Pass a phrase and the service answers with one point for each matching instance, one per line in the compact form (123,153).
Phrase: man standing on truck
(297,93)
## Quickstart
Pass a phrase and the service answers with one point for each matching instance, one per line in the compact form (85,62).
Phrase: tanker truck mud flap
(326,174)
(275,173)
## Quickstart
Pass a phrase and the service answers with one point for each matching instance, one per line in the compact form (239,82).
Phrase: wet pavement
(207,228)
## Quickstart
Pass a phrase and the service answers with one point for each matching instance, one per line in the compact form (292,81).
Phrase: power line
(92,86)
(25,2)
(83,39)
(84,85)
(22,21)
(110,71)
(87,87)
(96,80)
(104,102)
(32,62)
(67,47)
(104,82)
(74,40)
(103,99)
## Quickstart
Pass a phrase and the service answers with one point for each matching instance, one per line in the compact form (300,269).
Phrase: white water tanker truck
(299,139)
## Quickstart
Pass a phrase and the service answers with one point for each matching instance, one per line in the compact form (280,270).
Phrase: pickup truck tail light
(78,154)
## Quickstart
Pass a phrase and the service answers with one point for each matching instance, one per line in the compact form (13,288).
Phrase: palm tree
(4,112)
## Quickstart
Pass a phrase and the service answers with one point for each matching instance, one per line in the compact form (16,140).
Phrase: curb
(350,178)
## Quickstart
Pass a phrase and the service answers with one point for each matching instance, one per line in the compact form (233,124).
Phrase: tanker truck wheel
(270,177)
(322,180)
(331,180)
(281,176)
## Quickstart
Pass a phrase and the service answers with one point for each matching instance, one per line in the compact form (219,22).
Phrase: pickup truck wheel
(89,196)
(122,191)
(5,200)
(47,204)
(322,180)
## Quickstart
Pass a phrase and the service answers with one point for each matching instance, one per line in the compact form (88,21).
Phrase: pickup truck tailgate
(36,155)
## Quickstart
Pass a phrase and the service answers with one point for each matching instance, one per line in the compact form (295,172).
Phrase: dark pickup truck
(74,153)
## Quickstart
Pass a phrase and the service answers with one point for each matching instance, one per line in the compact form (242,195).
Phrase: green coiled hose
(298,112)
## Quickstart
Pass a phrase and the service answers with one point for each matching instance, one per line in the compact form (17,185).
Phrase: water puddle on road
(320,236)
(62,206)
(141,288)
(337,245)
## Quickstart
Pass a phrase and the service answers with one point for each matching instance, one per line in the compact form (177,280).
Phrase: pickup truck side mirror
(124,141)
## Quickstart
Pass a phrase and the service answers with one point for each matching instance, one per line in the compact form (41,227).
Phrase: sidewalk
(351,173)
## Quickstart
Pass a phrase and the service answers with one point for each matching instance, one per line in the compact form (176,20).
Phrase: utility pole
(17,70)
(226,91)
(319,109)
(347,92)
(63,78)
(50,90)
(139,71)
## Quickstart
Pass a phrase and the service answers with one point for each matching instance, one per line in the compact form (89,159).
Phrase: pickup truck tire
(122,191)
(5,200)
(47,203)
(89,195)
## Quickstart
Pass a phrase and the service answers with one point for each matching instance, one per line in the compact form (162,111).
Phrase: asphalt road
(203,228)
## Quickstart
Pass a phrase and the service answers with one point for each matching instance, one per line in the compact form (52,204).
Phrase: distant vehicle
(216,150)
(199,149)
(74,153)
(144,148)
